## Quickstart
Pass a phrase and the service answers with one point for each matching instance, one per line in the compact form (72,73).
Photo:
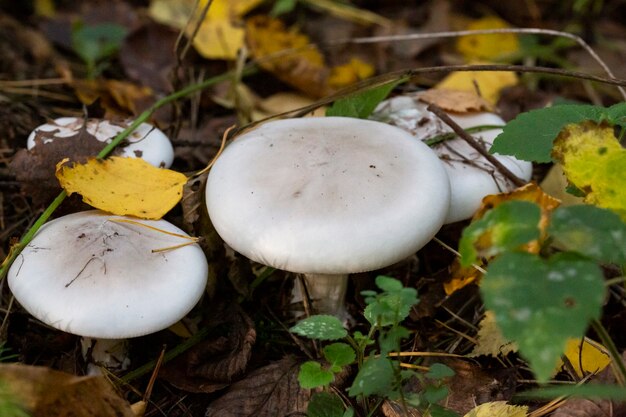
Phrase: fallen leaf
(44,392)
(220,34)
(594,161)
(488,47)
(123,186)
(457,101)
(117,98)
(587,356)
(354,71)
(285,102)
(301,65)
(555,184)
(34,169)
(263,392)
(223,357)
(488,84)
(498,409)
(491,342)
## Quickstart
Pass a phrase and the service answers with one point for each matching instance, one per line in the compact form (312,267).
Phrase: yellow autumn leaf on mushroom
(498,409)
(489,46)
(123,186)
(593,160)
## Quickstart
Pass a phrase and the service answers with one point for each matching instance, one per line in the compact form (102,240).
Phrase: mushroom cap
(327,195)
(87,275)
(472,177)
(146,142)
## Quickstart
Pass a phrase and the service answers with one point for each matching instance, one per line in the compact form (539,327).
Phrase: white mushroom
(472,177)
(91,275)
(327,197)
(146,142)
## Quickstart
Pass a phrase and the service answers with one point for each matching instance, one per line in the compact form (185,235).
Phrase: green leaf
(390,308)
(433,394)
(95,42)
(435,410)
(530,135)
(591,231)
(374,378)
(338,355)
(505,227)
(439,371)
(361,104)
(541,303)
(389,340)
(282,7)
(593,390)
(320,327)
(323,404)
(388,284)
(617,114)
(312,375)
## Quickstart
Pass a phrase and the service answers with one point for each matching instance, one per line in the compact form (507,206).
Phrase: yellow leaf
(456,101)
(488,47)
(220,34)
(498,409)
(355,70)
(489,83)
(592,358)
(123,186)
(491,342)
(593,160)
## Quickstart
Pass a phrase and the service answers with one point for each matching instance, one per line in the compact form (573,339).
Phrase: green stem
(169,355)
(616,358)
(28,236)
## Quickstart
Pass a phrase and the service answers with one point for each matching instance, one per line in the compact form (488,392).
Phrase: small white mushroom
(472,177)
(327,197)
(146,142)
(93,276)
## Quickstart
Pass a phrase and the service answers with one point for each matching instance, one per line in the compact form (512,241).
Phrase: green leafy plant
(378,373)
(540,300)
(95,43)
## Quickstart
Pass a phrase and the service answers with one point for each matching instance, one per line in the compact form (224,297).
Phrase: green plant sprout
(378,375)
(95,43)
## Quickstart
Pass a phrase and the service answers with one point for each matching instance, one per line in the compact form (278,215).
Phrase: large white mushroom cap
(88,275)
(146,142)
(327,195)
(472,177)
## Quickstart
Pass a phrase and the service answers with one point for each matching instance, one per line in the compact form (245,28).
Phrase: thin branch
(455,34)
(474,144)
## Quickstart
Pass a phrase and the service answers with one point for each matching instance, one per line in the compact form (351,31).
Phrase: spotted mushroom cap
(146,142)
(327,195)
(90,275)
(472,177)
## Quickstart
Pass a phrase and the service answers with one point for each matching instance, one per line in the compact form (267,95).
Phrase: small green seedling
(95,43)
(378,374)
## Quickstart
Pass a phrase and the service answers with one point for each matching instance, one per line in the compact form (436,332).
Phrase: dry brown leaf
(491,342)
(44,392)
(456,101)
(117,98)
(265,392)
(215,363)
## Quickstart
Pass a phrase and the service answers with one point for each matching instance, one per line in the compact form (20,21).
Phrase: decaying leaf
(488,84)
(44,392)
(586,356)
(594,161)
(462,276)
(117,98)
(123,186)
(263,392)
(457,101)
(498,409)
(223,357)
(555,184)
(491,342)
(488,47)
(35,168)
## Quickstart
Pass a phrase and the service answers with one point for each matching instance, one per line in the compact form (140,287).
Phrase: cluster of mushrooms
(319,196)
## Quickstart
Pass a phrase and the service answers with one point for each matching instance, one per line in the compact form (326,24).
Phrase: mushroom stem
(108,353)
(327,292)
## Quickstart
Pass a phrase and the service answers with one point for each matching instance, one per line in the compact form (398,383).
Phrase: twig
(455,34)
(474,144)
